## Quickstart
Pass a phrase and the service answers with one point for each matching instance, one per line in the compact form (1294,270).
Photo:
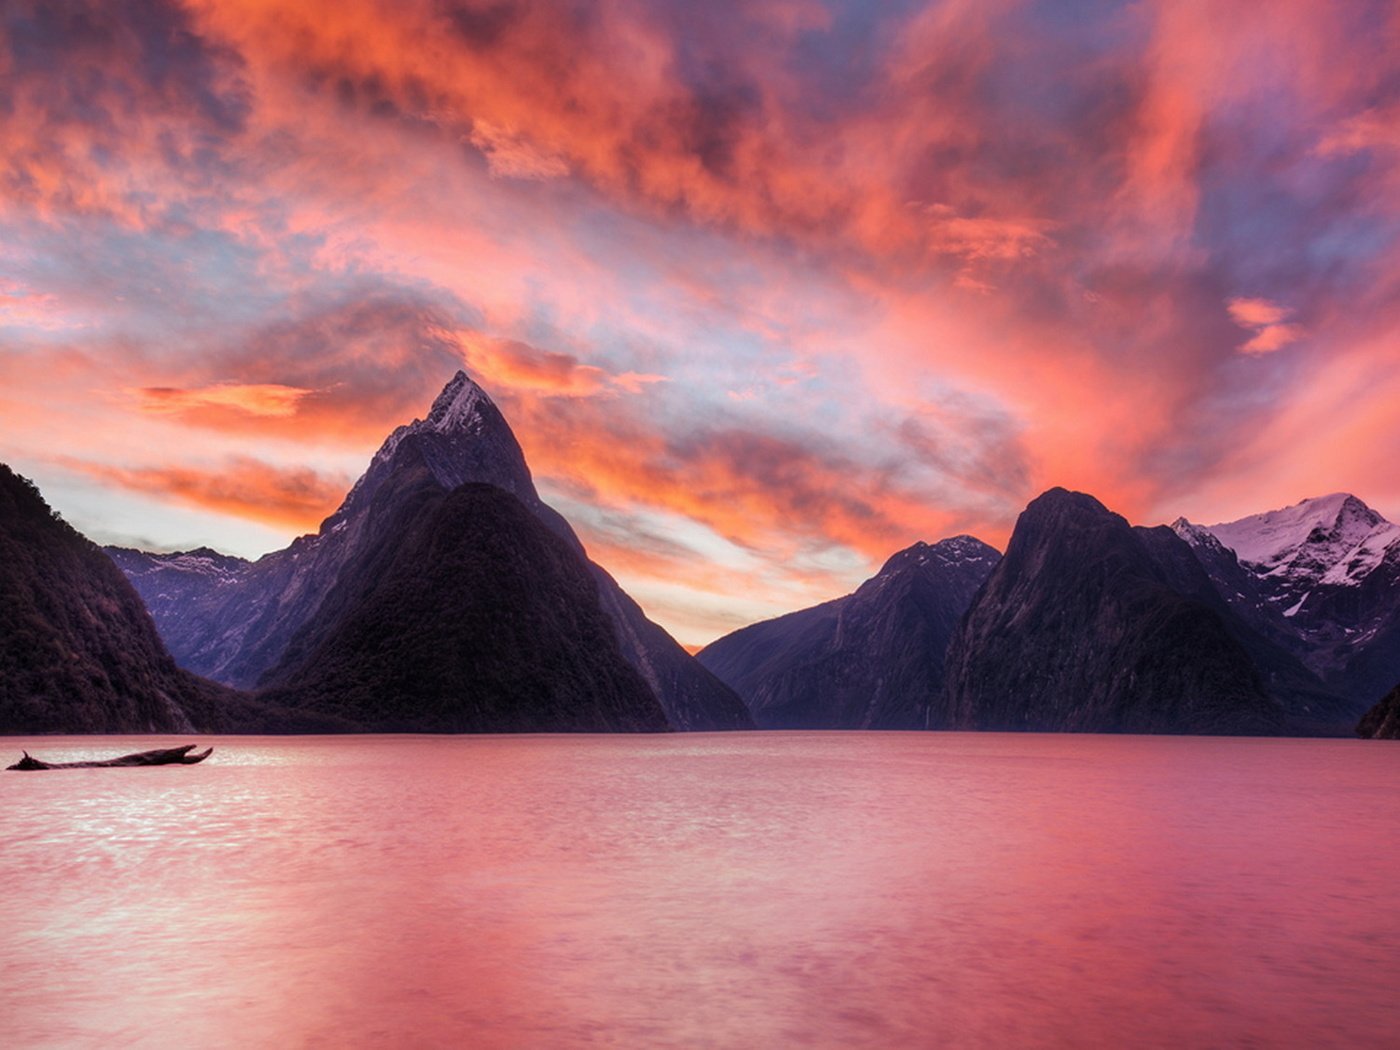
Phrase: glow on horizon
(767,291)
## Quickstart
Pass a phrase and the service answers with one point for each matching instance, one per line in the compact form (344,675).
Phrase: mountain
(870,660)
(1079,628)
(1322,579)
(1310,706)
(1382,722)
(78,650)
(235,622)
(466,615)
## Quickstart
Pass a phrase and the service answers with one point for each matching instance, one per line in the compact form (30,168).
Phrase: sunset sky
(767,290)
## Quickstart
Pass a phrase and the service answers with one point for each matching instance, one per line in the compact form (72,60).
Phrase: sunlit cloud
(1268,321)
(511,157)
(1370,129)
(243,487)
(813,279)
(512,365)
(256,399)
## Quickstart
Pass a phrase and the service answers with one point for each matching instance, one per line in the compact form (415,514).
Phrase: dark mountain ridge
(870,660)
(1078,629)
(79,653)
(466,615)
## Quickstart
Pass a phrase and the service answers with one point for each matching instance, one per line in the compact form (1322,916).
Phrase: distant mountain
(78,651)
(235,622)
(1382,722)
(870,660)
(1309,706)
(1322,579)
(1079,628)
(466,614)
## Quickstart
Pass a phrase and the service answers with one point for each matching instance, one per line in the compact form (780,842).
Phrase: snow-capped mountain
(239,631)
(1334,540)
(1322,575)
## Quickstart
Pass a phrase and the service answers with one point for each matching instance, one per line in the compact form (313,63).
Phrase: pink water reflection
(728,891)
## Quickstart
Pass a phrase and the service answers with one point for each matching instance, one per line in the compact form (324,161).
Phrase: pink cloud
(1269,323)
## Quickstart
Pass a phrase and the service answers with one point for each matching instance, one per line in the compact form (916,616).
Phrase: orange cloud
(248,488)
(760,491)
(255,399)
(509,364)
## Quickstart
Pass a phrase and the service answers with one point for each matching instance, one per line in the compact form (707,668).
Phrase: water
(756,890)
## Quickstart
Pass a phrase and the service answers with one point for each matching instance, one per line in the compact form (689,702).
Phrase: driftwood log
(171,756)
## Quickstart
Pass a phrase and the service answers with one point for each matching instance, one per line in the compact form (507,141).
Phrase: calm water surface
(755,890)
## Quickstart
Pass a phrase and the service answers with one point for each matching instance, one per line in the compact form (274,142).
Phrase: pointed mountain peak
(1196,535)
(465,438)
(459,404)
(1352,508)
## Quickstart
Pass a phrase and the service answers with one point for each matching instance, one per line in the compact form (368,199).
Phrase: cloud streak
(247,488)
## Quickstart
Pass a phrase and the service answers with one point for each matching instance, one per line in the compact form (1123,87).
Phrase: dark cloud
(481,25)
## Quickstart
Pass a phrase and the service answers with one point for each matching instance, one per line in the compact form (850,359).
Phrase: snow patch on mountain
(1335,540)
(950,554)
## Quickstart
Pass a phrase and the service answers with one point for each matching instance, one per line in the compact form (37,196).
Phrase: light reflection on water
(742,890)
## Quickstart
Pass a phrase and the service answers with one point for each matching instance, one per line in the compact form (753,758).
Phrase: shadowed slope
(870,660)
(78,651)
(466,615)
(1382,722)
(1077,629)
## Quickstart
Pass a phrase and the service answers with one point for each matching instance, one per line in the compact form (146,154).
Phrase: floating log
(170,756)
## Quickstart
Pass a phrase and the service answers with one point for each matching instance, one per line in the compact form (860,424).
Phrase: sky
(768,291)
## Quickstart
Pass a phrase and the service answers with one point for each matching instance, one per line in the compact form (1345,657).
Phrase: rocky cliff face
(870,660)
(1382,722)
(78,650)
(237,628)
(465,615)
(1079,629)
